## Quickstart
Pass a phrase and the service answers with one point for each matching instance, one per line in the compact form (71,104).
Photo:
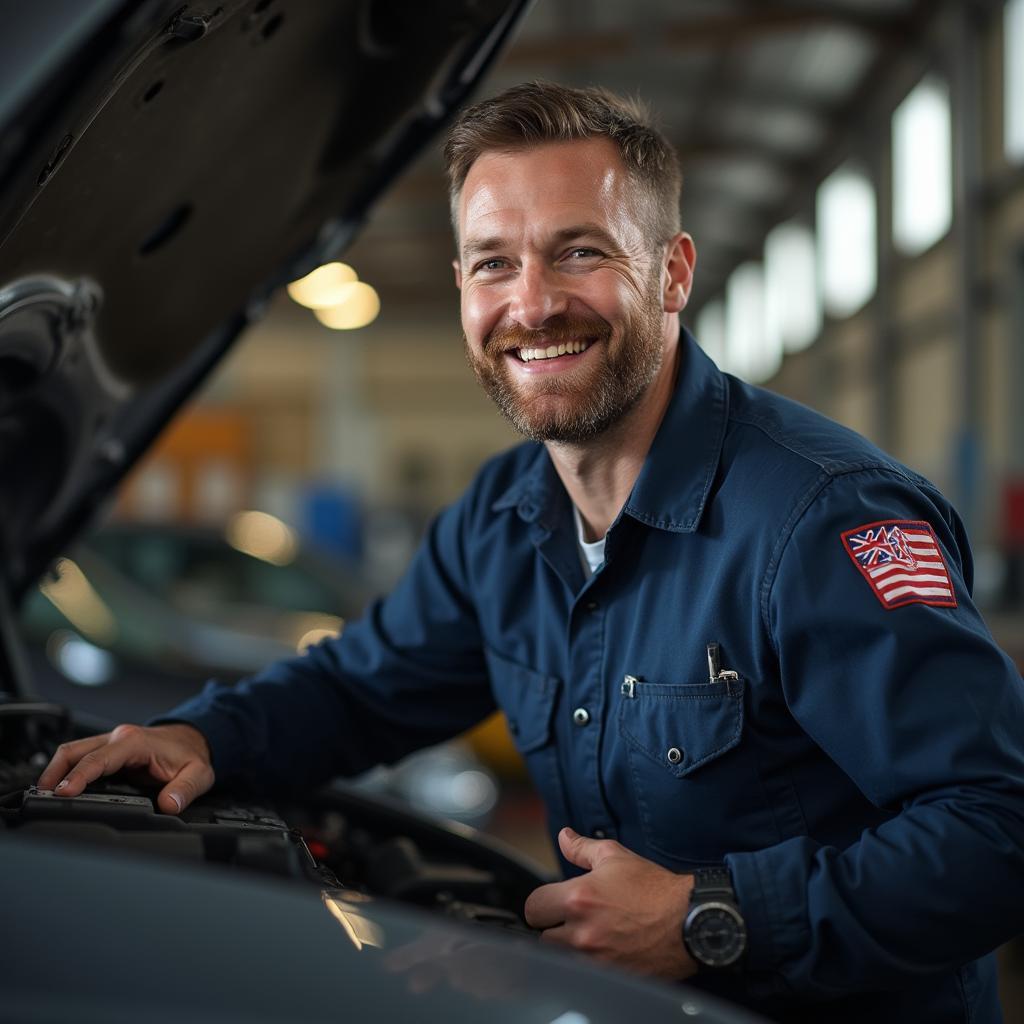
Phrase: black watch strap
(712,883)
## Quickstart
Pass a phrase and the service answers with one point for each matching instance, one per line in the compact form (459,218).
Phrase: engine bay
(334,838)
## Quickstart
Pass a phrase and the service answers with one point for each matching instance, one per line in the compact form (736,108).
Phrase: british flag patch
(902,561)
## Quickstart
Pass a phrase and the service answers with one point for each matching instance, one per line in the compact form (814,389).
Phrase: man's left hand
(626,910)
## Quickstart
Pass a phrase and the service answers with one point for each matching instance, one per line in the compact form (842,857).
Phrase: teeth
(552,351)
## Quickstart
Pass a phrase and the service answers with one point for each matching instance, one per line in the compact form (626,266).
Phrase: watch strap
(712,883)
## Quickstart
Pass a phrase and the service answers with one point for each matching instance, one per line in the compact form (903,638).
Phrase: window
(711,332)
(847,238)
(750,354)
(1013,81)
(792,304)
(922,168)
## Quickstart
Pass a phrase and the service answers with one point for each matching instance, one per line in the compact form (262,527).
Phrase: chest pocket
(528,698)
(675,736)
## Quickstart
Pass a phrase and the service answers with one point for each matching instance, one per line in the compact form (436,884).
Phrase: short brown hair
(537,112)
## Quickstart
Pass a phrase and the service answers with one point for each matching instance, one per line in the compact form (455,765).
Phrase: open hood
(163,168)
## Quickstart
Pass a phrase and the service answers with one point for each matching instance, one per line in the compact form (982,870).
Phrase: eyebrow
(493,243)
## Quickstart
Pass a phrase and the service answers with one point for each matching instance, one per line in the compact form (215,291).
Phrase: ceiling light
(358,307)
(323,286)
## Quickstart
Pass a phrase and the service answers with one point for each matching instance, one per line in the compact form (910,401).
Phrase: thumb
(577,849)
(194,779)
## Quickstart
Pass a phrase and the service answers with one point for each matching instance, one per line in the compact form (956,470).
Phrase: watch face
(716,934)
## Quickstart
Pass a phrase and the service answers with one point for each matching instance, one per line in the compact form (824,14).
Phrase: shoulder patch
(902,561)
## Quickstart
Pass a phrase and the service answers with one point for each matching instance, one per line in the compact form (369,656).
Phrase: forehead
(546,186)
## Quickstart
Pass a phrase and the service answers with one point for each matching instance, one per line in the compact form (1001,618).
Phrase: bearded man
(780,753)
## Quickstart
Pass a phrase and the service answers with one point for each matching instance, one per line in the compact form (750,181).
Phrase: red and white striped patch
(902,561)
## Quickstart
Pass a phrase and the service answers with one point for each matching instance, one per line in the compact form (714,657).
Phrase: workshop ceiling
(762,100)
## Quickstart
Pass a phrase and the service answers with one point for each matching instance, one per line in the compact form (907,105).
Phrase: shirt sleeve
(410,673)
(910,696)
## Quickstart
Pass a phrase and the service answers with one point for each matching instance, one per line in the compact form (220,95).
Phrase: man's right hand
(177,754)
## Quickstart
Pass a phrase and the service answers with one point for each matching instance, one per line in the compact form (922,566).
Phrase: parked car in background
(184,603)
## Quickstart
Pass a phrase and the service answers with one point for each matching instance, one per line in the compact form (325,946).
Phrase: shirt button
(599,833)
(592,606)
(675,755)
(581,716)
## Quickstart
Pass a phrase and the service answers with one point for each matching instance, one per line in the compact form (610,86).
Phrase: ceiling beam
(855,125)
(704,34)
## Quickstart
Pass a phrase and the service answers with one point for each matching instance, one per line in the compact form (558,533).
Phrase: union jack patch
(902,561)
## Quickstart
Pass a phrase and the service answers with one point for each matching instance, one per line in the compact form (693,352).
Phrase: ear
(677,275)
(457,267)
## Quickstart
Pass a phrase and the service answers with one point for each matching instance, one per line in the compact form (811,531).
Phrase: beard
(579,404)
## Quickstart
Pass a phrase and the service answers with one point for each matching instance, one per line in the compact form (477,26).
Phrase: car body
(163,168)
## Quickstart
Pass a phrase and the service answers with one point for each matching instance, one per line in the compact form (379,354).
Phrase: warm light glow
(711,332)
(74,597)
(323,286)
(361,930)
(1013,81)
(263,536)
(922,167)
(847,238)
(312,627)
(792,306)
(358,306)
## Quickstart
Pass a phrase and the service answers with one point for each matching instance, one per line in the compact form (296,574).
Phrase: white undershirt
(592,555)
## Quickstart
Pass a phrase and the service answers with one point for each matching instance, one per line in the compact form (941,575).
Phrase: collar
(673,485)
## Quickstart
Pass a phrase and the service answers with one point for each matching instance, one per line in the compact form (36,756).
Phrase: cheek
(479,316)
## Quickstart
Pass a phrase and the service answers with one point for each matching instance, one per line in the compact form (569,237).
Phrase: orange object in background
(199,471)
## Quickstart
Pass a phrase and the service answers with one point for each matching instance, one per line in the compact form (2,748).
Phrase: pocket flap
(526,696)
(681,727)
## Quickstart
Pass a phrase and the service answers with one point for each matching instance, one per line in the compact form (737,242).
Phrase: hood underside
(163,169)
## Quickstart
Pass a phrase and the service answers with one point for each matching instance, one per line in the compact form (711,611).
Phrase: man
(733,640)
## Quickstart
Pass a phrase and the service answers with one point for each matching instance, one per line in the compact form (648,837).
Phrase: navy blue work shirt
(857,763)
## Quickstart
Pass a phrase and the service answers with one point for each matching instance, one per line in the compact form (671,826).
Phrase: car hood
(197,945)
(163,168)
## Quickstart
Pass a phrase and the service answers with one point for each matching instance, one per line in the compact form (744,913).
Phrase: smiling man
(780,753)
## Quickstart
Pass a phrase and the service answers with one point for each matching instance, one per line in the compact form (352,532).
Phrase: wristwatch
(714,931)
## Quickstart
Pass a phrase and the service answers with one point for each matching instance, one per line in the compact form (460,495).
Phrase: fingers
(194,779)
(172,757)
(545,907)
(66,757)
(559,936)
(104,759)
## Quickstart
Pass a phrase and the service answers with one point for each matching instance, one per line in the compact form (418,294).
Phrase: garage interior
(854,183)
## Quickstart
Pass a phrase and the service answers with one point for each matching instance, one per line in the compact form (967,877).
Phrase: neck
(599,474)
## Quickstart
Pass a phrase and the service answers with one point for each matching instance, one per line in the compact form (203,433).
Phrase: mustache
(555,331)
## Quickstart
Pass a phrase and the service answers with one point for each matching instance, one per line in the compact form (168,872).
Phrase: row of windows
(776,306)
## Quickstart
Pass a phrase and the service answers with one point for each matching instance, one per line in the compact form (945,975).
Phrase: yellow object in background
(492,743)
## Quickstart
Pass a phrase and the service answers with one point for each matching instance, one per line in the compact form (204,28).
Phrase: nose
(537,295)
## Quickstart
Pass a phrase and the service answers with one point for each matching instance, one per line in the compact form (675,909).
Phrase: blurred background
(854,182)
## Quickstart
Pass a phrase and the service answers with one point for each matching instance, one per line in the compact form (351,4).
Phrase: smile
(553,351)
